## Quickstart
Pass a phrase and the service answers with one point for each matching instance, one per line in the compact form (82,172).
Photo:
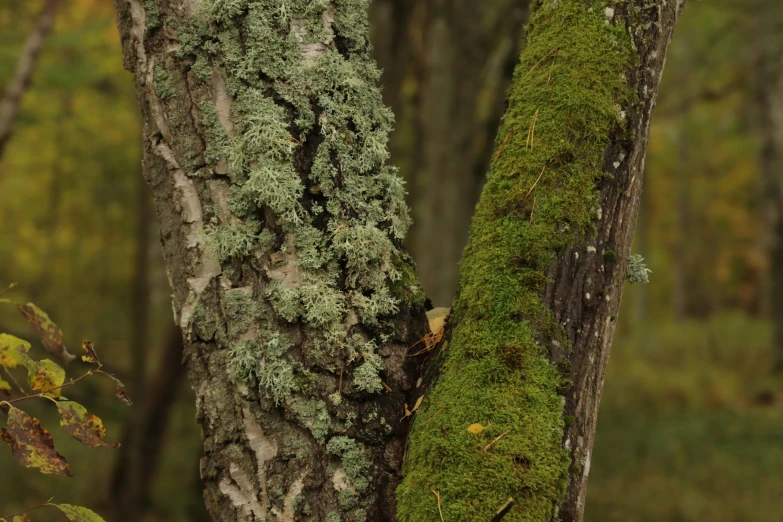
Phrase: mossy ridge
(540,195)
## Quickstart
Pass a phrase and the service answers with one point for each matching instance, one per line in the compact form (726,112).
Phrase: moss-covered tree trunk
(513,412)
(265,142)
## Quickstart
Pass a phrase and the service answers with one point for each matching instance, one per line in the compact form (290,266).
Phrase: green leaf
(84,427)
(45,377)
(50,334)
(22,518)
(78,513)
(31,445)
(11,350)
(5,389)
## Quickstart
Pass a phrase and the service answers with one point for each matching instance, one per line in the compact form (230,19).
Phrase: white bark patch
(289,509)
(219,192)
(341,481)
(265,450)
(222,102)
(311,51)
(242,494)
(286,266)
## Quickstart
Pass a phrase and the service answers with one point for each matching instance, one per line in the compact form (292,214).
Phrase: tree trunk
(24,71)
(265,141)
(513,413)
(447,67)
(769,107)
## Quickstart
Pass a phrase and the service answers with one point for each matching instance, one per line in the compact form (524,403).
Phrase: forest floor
(690,426)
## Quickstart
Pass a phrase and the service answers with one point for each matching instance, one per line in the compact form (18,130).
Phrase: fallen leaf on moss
(475,429)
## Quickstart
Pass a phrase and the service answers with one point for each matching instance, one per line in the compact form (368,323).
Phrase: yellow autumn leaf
(475,429)
(11,350)
(418,403)
(437,319)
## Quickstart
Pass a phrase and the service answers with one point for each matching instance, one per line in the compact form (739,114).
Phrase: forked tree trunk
(513,412)
(265,141)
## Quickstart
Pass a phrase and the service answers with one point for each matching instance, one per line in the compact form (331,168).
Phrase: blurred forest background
(690,425)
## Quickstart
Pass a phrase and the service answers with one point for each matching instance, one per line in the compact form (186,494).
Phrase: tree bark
(514,411)
(24,71)
(264,147)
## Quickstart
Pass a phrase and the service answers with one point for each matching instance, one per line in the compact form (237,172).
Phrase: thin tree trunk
(25,67)
(134,473)
(127,493)
(769,107)
(265,138)
(447,66)
(514,411)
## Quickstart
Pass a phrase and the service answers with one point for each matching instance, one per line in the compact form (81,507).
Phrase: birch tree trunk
(507,429)
(265,141)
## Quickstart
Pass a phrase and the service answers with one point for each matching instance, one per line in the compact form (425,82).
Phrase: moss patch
(563,106)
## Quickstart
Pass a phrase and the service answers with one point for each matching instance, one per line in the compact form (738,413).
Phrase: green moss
(610,255)
(333,517)
(497,369)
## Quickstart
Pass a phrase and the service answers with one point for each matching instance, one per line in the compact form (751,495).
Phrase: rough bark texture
(446,67)
(265,141)
(24,71)
(543,272)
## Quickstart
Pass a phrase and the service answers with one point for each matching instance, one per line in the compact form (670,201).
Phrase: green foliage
(564,98)
(689,424)
(31,444)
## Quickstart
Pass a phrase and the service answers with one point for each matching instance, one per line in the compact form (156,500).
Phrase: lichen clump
(497,370)
(295,141)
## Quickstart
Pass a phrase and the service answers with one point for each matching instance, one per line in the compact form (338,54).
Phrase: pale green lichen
(236,239)
(162,84)
(354,460)
(637,270)
(315,416)
(497,369)
(333,517)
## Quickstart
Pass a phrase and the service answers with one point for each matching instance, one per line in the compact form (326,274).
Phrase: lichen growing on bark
(540,195)
(287,158)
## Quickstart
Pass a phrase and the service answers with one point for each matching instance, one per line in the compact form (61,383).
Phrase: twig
(531,132)
(535,184)
(340,386)
(533,209)
(496,439)
(12,515)
(502,146)
(439,509)
(502,512)
(538,63)
(434,415)
(11,376)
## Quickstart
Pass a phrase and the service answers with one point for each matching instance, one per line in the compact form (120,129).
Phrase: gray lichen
(637,270)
